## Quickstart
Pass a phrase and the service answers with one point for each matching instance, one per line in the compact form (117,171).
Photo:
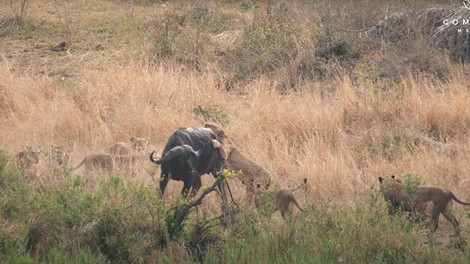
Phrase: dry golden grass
(340,134)
(340,142)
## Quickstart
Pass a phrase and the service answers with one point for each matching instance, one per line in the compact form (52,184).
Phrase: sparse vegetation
(20,9)
(301,87)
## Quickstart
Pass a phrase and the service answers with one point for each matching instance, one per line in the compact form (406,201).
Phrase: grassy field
(298,85)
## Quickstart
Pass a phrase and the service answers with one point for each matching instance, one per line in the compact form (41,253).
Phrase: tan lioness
(394,192)
(252,174)
(96,162)
(29,159)
(285,201)
(137,145)
(126,155)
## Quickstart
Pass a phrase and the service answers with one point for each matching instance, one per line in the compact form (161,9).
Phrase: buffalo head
(176,152)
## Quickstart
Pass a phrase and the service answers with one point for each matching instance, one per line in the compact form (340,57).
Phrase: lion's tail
(300,186)
(457,200)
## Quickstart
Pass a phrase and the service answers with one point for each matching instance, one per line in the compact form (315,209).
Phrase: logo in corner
(466,3)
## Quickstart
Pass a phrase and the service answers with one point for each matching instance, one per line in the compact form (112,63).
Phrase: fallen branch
(182,211)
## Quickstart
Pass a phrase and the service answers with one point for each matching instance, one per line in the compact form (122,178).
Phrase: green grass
(127,223)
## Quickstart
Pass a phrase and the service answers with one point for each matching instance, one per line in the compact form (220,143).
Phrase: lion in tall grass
(126,155)
(29,159)
(394,192)
(96,162)
(137,145)
(252,174)
(283,201)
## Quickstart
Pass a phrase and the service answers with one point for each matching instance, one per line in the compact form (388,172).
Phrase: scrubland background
(300,86)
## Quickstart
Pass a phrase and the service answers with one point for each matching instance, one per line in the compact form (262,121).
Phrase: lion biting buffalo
(252,174)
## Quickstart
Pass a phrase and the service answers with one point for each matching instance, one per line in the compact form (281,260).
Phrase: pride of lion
(121,155)
(255,177)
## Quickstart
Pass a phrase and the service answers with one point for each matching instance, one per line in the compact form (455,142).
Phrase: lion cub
(394,192)
(285,201)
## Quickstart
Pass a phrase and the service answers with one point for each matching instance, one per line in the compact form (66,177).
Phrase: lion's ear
(381,179)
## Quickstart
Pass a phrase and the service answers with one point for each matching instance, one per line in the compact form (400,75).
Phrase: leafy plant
(212,113)
(411,183)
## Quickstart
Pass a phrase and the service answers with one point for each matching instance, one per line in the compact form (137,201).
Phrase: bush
(266,201)
(267,45)
(184,35)
(128,223)
(212,113)
(328,234)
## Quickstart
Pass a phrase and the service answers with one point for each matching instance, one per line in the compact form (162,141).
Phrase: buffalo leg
(186,187)
(163,182)
(196,184)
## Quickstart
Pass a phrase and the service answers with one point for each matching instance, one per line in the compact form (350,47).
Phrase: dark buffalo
(188,154)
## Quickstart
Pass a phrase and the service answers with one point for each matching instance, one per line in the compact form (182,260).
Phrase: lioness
(126,155)
(29,159)
(285,201)
(394,192)
(137,145)
(252,174)
(94,162)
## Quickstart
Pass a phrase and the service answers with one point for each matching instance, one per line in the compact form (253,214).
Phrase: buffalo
(187,155)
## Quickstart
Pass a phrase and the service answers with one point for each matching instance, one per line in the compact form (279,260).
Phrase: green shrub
(331,45)
(212,113)
(128,223)
(266,201)
(329,234)
(267,45)
(183,35)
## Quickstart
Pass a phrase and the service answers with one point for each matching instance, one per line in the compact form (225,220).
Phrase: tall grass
(329,235)
(295,91)
(340,141)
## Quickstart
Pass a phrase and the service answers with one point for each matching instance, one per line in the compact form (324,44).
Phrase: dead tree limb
(180,212)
